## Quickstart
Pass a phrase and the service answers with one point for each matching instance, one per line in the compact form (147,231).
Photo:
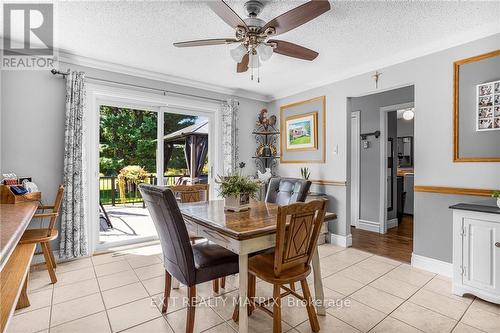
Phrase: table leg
(243,279)
(318,285)
(175,283)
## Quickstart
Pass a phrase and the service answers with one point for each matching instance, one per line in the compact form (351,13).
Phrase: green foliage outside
(128,138)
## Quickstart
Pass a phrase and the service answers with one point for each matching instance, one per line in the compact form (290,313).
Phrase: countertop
(14,219)
(477,208)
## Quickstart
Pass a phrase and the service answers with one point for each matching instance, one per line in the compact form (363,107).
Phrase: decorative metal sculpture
(266,136)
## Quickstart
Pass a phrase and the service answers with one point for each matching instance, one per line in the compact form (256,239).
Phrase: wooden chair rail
(454,190)
(13,282)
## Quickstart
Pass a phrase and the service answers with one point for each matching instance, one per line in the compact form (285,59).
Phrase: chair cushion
(213,261)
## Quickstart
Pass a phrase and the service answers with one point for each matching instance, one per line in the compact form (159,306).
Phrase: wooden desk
(15,259)
(243,233)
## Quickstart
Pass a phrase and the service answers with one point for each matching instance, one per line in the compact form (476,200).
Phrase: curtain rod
(164,91)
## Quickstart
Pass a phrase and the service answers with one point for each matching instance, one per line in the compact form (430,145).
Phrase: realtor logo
(28,36)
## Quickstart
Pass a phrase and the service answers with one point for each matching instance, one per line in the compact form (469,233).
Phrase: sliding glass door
(143,144)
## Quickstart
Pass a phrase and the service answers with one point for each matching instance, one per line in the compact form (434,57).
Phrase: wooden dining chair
(45,235)
(297,230)
(196,193)
(191,264)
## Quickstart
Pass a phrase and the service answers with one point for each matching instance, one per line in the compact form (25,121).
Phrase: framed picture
(488,106)
(302,131)
(476,108)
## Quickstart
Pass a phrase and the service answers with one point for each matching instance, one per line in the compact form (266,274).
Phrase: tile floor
(116,292)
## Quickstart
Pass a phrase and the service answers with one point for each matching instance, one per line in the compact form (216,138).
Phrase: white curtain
(73,239)
(229,112)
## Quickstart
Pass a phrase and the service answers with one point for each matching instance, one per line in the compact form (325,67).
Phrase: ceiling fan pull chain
(258,74)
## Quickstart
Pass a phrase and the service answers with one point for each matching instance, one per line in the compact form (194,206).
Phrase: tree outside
(128,138)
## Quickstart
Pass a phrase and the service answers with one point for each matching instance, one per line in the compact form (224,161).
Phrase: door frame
(355,166)
(98,94)
(384,110)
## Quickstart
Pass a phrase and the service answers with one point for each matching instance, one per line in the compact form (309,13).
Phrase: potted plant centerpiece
(237,191)
(496,195)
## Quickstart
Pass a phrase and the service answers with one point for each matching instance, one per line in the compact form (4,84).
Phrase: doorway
(381,165)
(128,156)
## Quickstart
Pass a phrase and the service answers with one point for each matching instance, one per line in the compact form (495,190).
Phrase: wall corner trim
(339,240)
(432,265)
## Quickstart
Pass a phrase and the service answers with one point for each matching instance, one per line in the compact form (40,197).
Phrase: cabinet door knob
(497,244)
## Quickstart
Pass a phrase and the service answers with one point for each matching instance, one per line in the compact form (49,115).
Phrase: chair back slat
(57,207)
(298,228)
(191,193)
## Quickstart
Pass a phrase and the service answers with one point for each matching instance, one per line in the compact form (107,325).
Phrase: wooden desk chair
(298,228)
(45,235)
(196,193)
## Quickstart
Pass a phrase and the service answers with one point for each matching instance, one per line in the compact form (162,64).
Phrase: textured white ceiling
(351,37)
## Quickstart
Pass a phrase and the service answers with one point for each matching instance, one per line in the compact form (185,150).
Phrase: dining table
(244,233)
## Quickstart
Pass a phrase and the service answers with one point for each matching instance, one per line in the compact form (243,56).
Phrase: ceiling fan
(253,34)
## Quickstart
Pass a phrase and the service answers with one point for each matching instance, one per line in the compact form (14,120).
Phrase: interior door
(481,263)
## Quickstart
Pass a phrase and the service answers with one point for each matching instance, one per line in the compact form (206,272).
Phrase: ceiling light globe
(238,53)
(264,51)
(408,115)
(254,61)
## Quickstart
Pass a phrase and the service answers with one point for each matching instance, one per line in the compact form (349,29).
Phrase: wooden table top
(258,221)
(14,218)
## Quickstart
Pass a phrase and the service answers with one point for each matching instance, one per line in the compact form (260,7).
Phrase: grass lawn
(301,140)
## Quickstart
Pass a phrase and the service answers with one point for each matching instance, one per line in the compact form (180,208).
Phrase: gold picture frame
(456,114)
(311,118)
(320,130)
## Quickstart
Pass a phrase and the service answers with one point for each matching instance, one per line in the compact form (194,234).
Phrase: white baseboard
(392,223)
(344,241)
(369,225)
(432,265)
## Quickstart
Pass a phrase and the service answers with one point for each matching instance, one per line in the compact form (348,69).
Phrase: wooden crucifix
(376,76)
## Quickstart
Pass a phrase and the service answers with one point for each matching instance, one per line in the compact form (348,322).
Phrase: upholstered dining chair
(45,235)
(297,230)
(190,264)
(285,191)
(196,193)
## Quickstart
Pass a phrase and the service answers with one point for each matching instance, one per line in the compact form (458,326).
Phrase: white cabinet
(476,251)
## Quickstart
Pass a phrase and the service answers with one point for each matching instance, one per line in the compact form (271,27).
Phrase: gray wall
(432,76)
(434,232)
(474,143)
(405,127)
(32,123)
(370,158)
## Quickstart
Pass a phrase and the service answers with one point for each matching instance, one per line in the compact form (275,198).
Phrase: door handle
(497,244)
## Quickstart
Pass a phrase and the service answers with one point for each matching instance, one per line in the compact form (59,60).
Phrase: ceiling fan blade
(227,14)
(206,42)
(293,50)
(242,66)
(297,16)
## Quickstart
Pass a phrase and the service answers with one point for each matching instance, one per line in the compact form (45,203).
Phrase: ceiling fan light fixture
(264,51)
(238,53)
(254,61)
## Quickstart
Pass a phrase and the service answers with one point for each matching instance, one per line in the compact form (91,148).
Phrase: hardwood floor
(396,244)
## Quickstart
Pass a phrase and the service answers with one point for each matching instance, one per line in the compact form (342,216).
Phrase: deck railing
(109,192)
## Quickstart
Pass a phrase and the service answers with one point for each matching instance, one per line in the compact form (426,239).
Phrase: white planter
(237,203)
